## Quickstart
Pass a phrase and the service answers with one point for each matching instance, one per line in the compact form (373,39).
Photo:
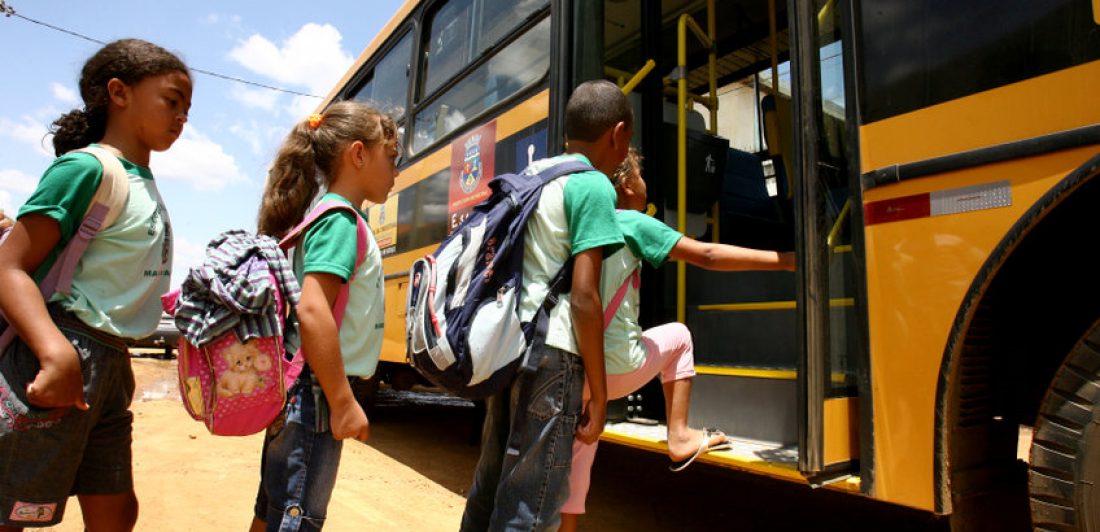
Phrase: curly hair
(631,164)
(128,60)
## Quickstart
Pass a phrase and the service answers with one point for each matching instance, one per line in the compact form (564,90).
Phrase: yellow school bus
(931,163)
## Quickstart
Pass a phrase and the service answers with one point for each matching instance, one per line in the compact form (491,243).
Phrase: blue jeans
(299,463)
(522,477)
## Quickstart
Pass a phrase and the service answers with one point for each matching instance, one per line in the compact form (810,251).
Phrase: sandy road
(414,472)
(188,480)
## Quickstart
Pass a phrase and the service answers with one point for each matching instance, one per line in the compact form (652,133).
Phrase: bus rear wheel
(1065,451)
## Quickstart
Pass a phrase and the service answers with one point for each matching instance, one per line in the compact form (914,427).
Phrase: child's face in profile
(632,193)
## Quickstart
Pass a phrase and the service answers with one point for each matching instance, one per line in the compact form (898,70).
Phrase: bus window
(447,49)
(524,61)
(387,85)
(461,30)
(422,213)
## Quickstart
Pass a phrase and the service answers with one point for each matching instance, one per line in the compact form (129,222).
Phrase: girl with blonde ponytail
(349,153)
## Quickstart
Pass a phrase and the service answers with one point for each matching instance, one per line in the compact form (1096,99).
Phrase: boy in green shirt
(521,477)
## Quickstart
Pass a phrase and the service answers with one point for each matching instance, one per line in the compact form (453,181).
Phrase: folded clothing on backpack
(235,289)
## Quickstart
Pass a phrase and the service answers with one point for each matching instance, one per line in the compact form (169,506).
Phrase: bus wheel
(1065,450)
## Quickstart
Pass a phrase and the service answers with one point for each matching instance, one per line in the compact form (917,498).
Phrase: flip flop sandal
(704,447)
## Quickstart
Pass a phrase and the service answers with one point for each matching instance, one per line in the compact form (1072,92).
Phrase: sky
(212,177)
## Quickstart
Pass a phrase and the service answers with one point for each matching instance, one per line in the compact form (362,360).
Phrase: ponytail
(313,146)
(77,129)
(291,185)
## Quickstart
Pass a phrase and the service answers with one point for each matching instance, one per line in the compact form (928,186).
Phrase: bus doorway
(715,116)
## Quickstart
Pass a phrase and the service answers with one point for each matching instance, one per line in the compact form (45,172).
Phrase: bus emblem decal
(471,169)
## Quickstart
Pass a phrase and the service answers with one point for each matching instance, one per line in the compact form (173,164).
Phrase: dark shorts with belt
(46,455)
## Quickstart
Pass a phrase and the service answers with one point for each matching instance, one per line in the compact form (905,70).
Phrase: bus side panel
(919,269)
(520,136)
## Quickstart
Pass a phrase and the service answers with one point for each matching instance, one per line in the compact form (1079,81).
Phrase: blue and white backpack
(462,328)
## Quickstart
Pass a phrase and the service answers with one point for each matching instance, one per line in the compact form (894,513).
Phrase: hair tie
(315,120)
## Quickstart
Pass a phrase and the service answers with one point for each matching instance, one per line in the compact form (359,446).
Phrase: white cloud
(6,204)
(256,98)
(311,58)
(17,181)
(302,106)
(197,160)
(185,255)
(64,94)
(28,131)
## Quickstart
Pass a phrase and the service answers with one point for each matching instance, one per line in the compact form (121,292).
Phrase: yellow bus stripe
(728,459)
(759,373)
(770,305)
(784,374)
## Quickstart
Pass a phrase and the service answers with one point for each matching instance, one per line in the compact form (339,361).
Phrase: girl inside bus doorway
(633,356)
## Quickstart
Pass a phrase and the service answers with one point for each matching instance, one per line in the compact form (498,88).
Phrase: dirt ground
(187,479)
(414,472)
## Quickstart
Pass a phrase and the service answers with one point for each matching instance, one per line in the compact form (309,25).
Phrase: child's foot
(687,444)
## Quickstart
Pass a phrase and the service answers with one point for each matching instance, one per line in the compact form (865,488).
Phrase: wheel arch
(973,384)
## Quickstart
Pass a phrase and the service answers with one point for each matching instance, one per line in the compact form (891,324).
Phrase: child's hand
(787,259)
(59,382)
(349,421)
(5,222)
(592,421)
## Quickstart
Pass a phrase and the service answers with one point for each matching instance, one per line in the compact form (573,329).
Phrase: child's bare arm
(724,257)
(59,382)
(321,347)
(587,310)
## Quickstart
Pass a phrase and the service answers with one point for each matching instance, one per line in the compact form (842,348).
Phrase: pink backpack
(236,388)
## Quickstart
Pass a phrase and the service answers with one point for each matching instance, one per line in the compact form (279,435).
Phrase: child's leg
(300,464)
(580,473)
(671,347)
(109,512)
(546,405)
(494,441)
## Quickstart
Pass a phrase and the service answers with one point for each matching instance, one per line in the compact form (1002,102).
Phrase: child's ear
(118,92)
(357,153)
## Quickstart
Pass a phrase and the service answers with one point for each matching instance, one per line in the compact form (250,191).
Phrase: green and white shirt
(648,239)
(329,246)
(575,213)
(118,281)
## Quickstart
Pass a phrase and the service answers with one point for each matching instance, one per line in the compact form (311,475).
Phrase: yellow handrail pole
(712,67)
(681,160)
(773,41)
(834,233)
(682,26)
(634,81)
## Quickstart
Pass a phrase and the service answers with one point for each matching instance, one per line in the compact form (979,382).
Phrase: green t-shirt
(648,239)
(118,281)
(329,246)
(575,213)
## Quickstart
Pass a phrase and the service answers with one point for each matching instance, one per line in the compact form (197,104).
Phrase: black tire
(1065,451)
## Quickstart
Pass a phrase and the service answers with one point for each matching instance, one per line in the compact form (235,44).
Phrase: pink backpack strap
(631,280)
(295,234)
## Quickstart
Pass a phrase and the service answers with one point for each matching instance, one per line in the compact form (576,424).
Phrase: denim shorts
(46,455)
(299,462)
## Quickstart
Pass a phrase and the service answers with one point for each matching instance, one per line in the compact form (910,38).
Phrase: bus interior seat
(704,178)
(706,168)
(749,215)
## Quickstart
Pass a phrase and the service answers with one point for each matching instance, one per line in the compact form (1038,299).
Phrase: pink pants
(670,352)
